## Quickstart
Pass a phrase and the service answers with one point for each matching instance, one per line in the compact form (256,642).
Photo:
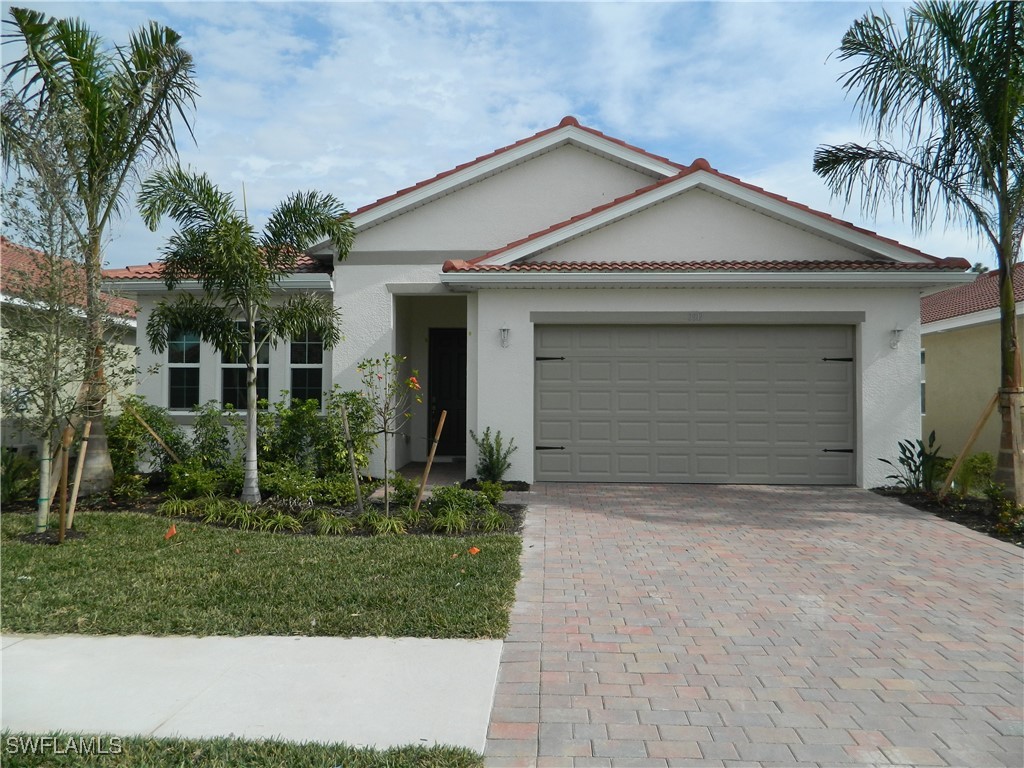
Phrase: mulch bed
(969,512)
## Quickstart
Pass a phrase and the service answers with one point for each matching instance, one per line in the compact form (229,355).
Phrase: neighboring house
(20,270)
(960,360)
(620,316)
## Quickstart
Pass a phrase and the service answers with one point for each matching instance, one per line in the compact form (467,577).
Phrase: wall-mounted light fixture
(894,337)
(504,336)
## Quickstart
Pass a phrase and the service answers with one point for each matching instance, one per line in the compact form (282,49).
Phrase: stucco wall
(697,225)
(498,209)
(888,381)
(961,375)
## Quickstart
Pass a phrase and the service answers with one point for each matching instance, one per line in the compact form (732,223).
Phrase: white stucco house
(623,317)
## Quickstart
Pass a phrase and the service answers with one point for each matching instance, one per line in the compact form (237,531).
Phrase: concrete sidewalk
(378,692)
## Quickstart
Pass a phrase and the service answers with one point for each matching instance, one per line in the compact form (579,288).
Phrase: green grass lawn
(230,753)
(125,578)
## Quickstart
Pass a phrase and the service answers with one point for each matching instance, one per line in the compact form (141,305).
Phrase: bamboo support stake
(155,436)
(352,457)
(430,459)
(967,446)
(80,465)
(66,440)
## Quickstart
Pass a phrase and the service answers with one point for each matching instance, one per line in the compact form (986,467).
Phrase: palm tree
(943,95)
(238,272)
(116,111)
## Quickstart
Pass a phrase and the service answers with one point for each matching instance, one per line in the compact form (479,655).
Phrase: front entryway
(446,389)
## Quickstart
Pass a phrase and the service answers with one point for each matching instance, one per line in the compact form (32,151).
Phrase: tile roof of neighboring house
(19,267)
(699,266)
(967,299)
(305,264)
(568,120)
(700,164)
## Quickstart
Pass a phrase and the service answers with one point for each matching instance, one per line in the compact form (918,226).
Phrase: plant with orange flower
(391,397)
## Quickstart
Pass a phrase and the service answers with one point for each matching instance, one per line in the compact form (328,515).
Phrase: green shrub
(463,499)
(218,435)
(975,473)
(492,491)
(330,524)
(278,522)
(287,481)
(918,466)
(190,480)
(492,520)
(450,518)
(175,507)
(337,491)
(130,443)
(403,491)
(19,477)
(128,487)
(412,516)
(374,521)
(493,460)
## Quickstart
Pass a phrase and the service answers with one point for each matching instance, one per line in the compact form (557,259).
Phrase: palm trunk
(1010,465)
(98,471)
(251,486)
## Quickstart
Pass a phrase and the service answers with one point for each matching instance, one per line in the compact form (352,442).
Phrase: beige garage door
(696,404)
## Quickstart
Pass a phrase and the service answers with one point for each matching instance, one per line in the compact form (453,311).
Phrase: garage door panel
(633,432)
(696,404)
(589,372)
(600,402)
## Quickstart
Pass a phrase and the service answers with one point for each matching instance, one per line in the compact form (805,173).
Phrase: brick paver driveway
(670,625)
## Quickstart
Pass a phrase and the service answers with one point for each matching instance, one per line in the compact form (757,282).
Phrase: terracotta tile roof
(700,164)
(702,266)
(568,120)
(967,299)
(305,264)
(20,267)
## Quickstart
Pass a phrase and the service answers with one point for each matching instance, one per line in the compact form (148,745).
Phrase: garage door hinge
(550,447)
(837,450)
(837,359)
(548,358)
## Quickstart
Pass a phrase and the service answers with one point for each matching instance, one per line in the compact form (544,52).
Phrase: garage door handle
(549,447)
(837,450)
(541,359)
(837,359)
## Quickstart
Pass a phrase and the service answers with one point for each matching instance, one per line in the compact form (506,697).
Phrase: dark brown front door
(446,388)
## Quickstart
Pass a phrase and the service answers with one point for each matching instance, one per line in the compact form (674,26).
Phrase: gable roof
(701,174)
(977,296)
(568,131)
(21,267)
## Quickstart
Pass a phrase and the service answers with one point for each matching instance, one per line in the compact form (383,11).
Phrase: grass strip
(22,750)
(125,578)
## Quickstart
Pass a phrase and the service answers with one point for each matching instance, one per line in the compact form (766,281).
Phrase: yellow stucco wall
(961,375)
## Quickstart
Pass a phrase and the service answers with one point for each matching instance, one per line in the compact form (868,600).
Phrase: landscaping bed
(969,511)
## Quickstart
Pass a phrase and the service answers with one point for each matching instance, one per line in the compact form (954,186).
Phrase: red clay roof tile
(701,266)
(305,264)
(967,299)
(20,267)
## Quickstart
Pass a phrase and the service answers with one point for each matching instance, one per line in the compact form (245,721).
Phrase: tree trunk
(43,502)
(1010,463)
(98,471)
(251,486)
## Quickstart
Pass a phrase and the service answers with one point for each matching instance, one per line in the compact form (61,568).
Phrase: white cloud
(362,99)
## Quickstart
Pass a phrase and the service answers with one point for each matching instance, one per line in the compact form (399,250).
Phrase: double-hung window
(183,370)
(307,364)
(233,371)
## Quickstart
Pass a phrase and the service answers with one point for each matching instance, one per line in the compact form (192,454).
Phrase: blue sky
(362,99)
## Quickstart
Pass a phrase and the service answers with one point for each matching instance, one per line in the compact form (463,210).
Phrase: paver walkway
(679,625)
